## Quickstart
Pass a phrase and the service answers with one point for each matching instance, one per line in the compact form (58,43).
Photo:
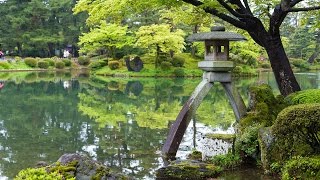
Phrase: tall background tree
(39,28)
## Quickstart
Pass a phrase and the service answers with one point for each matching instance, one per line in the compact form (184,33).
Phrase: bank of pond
(103,127)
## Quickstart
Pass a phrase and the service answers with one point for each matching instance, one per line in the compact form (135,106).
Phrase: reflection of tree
(153,109)
(41,123)
(215,110)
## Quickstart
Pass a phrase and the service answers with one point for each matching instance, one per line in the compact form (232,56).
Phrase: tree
(250,16)
(105,36)
(38,28)
(160,39)
(257,17)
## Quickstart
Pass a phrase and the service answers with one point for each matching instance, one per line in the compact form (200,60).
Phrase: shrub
(303,97)
(165,65)
(237,70)
(299,63)
(50,61)
(43,64)
(84,60)
(31,62)
(38,174)
(226,161)
(17,58)
(113,65)
(302,168)
(264,107)
(179,72)
(4,65)
(67,62)
(266,65)
(95,65)
(103,62)
(60,65)
(296,130)
(177,61)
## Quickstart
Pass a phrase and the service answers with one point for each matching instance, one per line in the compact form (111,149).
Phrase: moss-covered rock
(195,155)
(71,166)
(224,137)
(302,168)
(188,170)
(297,130)
(262,112)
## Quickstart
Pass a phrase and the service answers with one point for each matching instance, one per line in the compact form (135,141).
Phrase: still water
(122,123)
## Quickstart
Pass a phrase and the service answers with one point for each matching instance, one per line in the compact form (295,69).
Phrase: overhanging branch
(215,12)
(304,9)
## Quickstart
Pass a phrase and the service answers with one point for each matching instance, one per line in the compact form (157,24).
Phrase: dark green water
(119,122)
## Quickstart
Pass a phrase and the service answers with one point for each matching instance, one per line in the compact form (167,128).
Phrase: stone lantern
(216,58)
(217,68)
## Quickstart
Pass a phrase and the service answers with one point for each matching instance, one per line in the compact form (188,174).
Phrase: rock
(188,169)
(266,142)
(83,168)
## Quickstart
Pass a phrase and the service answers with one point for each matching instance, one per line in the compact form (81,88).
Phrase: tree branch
(215,12)
(295,2)
(303,9)
(247,6)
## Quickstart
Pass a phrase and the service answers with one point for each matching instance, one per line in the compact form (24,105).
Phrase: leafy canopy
(160,37)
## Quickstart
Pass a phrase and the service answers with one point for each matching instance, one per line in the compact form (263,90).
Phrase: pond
(121,122)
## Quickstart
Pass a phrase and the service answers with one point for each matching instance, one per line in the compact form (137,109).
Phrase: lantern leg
(179,127)
(235,100)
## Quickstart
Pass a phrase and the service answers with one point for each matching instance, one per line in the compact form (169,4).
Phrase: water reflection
(120,122)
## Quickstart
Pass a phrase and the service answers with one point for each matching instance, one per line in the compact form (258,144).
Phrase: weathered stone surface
(266,141)
(189,169)
(134,64)
(86,168)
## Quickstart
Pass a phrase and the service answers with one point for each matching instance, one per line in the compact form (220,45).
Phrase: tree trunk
(283,73)
(19,46)
(193,47)
(315,54)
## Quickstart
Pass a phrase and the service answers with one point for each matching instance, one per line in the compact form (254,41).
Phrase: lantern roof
(217,33)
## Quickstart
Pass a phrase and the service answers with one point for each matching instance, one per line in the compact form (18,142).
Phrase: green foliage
(263,110)
(60,65)
(43,64)
(105,36)
(299,63)
(67,62)
(301,168)
(31,28)
(188,170)
(4,65)
(297,130)
(226,161)
(165,65)
(266,65)
(50,61)
(303,97)
(38,174)
(84,60)
(195,155)
(160,38)
(237,70)
(96,64)
(179,72)
(31,62)
(247,142)
(177,61)
(113,65)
